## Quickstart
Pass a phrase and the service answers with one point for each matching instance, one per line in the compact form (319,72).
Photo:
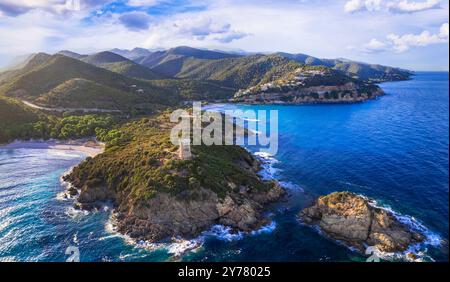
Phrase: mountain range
(173,61)
(142,80)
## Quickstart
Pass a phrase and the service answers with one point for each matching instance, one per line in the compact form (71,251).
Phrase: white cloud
(375,45)
(353,6)
(252,25)
(405,6)
(405,42)
(18,7)
(398,6)
(443,31)
(402,43)
(15,7)
(143,3)
(185,29)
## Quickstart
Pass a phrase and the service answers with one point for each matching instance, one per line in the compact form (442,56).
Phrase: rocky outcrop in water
(351,218)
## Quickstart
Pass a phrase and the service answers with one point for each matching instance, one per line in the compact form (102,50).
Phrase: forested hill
(175,62)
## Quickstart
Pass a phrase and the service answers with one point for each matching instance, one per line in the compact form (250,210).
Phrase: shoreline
(178,245)
(89,147)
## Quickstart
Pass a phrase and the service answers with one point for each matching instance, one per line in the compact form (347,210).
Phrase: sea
(393,150)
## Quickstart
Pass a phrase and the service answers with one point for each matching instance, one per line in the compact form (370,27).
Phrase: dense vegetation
(78,93)
(188,89)
(147,163)
(363,71)
(121,65)
(160,57)
(65,82)
(153,81)
(240,72)
(19,122)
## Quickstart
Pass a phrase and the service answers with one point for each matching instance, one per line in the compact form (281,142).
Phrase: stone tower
(185,149)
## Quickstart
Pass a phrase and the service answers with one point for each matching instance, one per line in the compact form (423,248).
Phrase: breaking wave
(179,246)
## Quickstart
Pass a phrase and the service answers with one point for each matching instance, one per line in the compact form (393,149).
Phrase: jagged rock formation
(352,219)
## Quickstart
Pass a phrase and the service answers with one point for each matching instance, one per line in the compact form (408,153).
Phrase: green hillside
(71,54)
(131,69)
(241,72)
(189,62)
(132,54)
(13,112)
(69,83)
(173,65)
(103,58)
(310,84)
(23,67)
(363,71)
(179,54)
(121,65)
(83,93)
(55,71)
(60,69)
(14,116)
(188,89)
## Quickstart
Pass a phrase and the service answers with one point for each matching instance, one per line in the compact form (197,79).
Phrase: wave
(179,246)
(268,171)
(291,186)
(418,250)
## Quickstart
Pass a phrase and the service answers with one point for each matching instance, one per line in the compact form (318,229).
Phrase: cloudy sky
(413,34)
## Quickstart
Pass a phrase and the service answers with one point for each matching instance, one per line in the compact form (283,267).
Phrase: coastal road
(86,110)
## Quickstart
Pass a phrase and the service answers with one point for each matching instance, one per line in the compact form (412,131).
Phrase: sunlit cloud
(254,25)
(398,6)
(402,43)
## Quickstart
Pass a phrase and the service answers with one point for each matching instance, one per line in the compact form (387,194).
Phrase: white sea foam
(76,213)
(224,233)
(268,171)
(420,249)
(269,228)
(179,246)
(291,186)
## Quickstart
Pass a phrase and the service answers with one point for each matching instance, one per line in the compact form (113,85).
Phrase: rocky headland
(157,195)
(352,219)
(308,85)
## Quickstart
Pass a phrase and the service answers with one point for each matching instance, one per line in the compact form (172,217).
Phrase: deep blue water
(394,149)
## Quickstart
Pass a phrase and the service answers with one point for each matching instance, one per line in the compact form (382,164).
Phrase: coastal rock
(72,191)
(166,216)
(352,219)
(91,194)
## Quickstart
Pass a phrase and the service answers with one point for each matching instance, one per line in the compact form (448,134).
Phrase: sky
(412,34)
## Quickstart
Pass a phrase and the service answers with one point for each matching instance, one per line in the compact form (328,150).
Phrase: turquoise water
(393,149)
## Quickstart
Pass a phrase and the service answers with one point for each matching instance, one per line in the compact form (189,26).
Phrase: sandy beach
(88,147)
